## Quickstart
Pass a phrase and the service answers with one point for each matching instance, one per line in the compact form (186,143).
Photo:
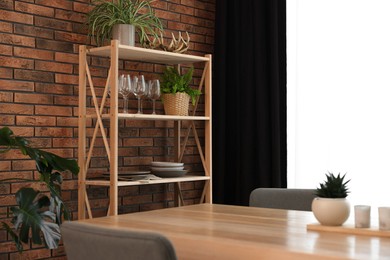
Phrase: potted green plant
(37,215)
(177,92)
(331,207)
(121,19)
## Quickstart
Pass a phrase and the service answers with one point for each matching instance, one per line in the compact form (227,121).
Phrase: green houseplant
(333,187)
(36,214)
(176,87)
(108,16)
(331,207)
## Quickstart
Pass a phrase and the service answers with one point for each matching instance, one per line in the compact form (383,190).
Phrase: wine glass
(124,85)
(139,90)
(154,92)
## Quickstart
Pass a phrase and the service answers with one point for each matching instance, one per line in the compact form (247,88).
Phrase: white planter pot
(125,33)
(331,212)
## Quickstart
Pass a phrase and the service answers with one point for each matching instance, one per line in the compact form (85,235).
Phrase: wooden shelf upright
(118,52)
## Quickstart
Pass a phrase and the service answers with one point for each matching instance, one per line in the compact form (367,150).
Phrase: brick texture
(39,42)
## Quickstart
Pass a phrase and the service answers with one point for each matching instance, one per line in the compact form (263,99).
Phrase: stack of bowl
(168,169)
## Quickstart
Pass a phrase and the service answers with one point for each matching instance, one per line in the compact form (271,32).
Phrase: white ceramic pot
(331,212)
(125,33)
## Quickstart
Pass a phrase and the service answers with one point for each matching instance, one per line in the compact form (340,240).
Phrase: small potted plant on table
(176,91)
(331,208)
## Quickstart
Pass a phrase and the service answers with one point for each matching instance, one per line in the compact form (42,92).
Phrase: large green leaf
(7,141)
(60,164)
(30,215)
(56,204)
(45,161)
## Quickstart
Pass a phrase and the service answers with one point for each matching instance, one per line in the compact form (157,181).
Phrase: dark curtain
(249,99)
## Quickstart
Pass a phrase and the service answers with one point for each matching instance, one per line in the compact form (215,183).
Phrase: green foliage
(172,82)
(333,187)
(38,214)
(136,12)
(30,215)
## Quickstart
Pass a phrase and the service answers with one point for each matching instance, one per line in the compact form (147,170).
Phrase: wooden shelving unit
(117,52)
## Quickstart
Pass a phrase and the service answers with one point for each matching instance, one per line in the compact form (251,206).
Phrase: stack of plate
(126,176)
(168,169)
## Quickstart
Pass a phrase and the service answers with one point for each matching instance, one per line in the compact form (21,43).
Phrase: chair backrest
(85,241)
(281,198)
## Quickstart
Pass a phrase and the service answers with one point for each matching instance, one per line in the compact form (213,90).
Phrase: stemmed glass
(139,90)
(154,92)
(124,88)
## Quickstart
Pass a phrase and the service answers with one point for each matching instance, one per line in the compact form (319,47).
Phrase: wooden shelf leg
(82,131)
(113,210)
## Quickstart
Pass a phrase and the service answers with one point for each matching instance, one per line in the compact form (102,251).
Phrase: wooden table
(211,231)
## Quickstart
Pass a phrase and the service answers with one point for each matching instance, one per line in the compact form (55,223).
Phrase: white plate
(166,164)
(168,174)
(167,169)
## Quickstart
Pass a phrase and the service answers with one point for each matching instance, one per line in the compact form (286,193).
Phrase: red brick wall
(39,42)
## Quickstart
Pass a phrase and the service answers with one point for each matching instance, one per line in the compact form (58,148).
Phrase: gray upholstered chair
(84,241)
(281,198)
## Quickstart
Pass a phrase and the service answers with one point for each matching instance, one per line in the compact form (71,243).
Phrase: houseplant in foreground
(176,91)
(36,214)
(121,19)
(331,207)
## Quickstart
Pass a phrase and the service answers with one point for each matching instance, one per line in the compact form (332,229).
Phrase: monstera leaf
(53,182)
(45,161)
(9,141)
(30,215)
(48,165)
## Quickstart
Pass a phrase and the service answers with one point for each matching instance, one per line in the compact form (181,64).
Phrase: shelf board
(147,55)
(133,183)
(153,117)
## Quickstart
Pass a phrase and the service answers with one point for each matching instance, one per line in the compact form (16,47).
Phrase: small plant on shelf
(333,187)
(172,82)
(177,92)
(107,14)
(36,215)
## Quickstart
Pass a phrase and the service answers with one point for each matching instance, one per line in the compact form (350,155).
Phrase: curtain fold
(249,99)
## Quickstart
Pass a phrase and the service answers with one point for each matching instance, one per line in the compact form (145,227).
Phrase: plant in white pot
(177,92)
(121,19)
(331,208)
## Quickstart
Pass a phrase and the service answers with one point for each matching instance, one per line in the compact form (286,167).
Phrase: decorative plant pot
(331,212)
(176,104)
(125,33)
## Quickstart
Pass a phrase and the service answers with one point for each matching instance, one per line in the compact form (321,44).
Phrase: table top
(212,231)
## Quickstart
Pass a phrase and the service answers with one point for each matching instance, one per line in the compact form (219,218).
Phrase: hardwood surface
(212,231)
(350,229)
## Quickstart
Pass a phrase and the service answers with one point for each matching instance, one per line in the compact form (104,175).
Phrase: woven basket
(176,104)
